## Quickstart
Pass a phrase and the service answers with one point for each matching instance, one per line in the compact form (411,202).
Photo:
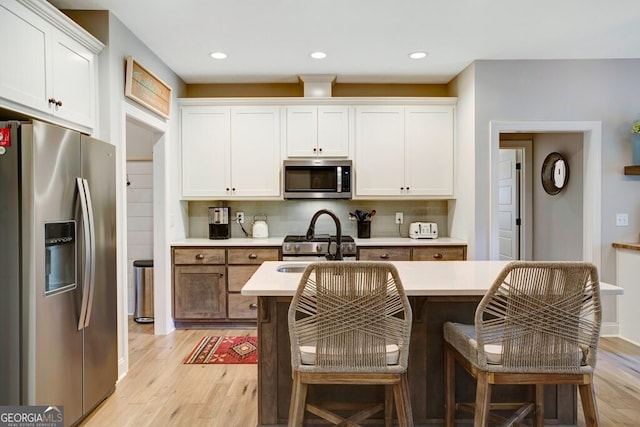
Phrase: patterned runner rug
(224,350)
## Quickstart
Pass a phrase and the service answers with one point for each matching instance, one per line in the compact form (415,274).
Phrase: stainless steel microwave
(317,179)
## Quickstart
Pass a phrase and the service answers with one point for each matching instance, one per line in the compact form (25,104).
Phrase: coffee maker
(219,227)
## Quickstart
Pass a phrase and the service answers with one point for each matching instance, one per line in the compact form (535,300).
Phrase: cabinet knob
(233,188)
(320,149)
(253,256)
(384,256)
(221,274)
(401,188)
(437,256)
(55,102)
(228,188)
(408,188)
(314,150)
(253,306)
(200,256)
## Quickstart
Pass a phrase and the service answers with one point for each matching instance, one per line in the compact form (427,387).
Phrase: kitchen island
(438,292)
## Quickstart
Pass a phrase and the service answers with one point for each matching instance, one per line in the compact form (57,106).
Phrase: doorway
(591,136)
(139,142)
(157,130)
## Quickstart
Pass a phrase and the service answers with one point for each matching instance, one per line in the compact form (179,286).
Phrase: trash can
(143,312)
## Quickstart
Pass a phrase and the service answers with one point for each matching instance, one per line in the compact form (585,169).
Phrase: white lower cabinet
(49,74)
(230,152)
(404,151)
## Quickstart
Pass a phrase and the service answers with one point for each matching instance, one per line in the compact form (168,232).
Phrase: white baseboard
(610,329)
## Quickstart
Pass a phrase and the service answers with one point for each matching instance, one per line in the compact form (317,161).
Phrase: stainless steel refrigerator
(58,321)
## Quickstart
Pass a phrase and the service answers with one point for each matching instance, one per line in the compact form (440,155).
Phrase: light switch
(622,220)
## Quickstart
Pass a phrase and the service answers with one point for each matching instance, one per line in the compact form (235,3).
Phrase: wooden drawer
(384,254)
(439,253)
(238,275)
(198,256)
(242,307)
(252,255)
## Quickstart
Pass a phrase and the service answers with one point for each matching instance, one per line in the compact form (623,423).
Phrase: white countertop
(419,278)
(277,241)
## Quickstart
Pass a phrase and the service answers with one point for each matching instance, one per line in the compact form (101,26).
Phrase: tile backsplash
(293,216)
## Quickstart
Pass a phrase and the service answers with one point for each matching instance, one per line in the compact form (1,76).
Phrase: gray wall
(580,90)
(557,219)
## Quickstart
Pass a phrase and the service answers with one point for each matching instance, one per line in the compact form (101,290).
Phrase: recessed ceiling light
(417,55)
(218,55)
(318,55)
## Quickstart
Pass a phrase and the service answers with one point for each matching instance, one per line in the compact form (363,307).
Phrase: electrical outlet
(399,218)
(240,217)
(622,220)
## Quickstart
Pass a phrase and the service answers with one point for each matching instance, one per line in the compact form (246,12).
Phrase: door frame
(163,323)
(592,195)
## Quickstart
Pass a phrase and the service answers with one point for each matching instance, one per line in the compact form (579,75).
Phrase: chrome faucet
(311,231)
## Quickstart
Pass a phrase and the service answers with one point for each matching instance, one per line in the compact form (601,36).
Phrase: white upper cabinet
(230,152)
(255,151)
(404,151)
(51,67)
(206,142)
(317,131)
(74,86)
(379,162)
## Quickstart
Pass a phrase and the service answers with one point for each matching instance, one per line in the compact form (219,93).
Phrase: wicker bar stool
(538,324)
(350,323)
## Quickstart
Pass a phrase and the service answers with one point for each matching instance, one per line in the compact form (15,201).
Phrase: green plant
(635,128)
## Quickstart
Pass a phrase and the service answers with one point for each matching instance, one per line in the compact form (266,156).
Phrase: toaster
(423,230)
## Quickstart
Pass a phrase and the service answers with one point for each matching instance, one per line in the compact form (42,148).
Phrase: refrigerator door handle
(92,247)
(89,250)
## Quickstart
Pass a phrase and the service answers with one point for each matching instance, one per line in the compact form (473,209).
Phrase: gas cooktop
(320,244)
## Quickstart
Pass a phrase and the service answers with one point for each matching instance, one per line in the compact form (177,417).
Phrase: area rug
(224,350)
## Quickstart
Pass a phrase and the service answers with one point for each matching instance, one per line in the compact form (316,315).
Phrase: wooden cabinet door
(429,151)
(199,292)
(74,81)
(379,151)
(439,253)
(205,142)
(24,76)
(255,152)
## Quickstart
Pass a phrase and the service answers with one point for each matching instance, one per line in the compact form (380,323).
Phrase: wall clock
(555,173)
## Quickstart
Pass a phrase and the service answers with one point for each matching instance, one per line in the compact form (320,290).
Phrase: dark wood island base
(426,367)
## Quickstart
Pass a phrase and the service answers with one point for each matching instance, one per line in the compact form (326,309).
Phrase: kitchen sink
(291,268)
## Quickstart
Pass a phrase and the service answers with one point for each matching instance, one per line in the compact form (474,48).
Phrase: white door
(508,227)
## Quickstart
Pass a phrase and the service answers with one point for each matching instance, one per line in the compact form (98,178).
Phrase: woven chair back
(349,312)
(545,316)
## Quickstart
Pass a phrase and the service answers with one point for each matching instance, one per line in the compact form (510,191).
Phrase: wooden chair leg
(449,388)
(538,411)
(588,399)
(388,406)
(298,402)
(483,400)
(403,402)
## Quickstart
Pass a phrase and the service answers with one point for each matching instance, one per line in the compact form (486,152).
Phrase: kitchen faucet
(311,230)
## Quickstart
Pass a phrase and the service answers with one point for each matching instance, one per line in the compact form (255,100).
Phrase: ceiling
(368,41)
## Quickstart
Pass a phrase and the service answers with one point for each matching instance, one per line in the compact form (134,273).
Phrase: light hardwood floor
(160,391)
